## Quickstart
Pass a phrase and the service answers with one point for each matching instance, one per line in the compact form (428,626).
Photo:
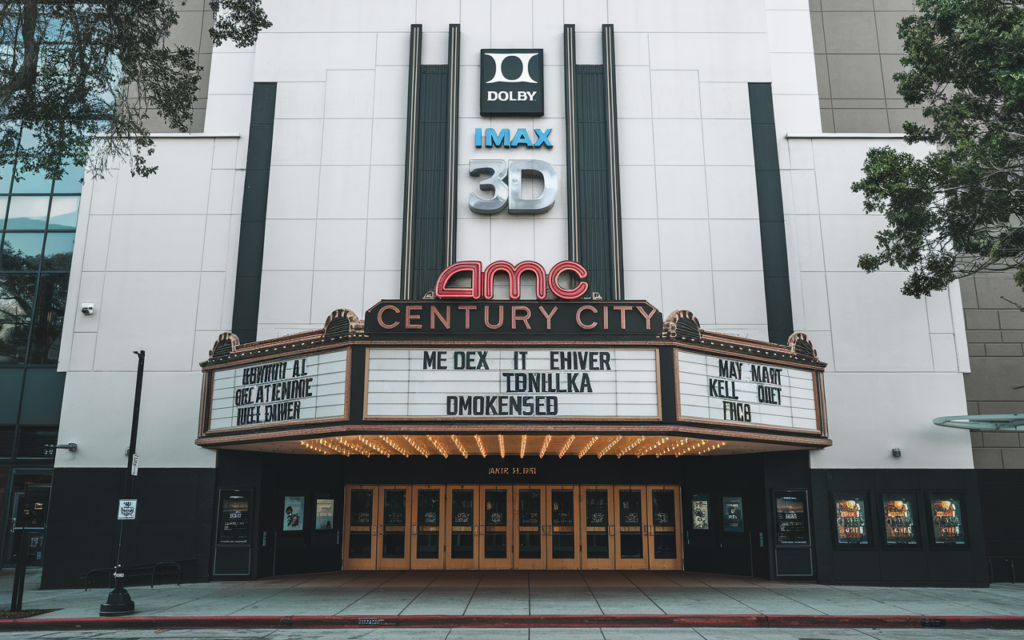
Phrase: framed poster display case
(792,518)
(900,523)
(946,514)
(851,520)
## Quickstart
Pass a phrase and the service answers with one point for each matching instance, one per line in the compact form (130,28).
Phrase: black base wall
(174,522)
(1002,513)
(924,564)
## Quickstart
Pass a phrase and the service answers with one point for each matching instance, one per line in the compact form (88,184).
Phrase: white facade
(157,256)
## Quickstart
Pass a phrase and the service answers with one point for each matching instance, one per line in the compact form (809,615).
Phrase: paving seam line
(517,621)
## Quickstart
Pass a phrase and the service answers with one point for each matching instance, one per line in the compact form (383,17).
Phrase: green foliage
(960,208)
(79,81)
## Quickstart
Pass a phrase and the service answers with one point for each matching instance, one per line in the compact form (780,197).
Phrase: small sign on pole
(135,464)
(126,509)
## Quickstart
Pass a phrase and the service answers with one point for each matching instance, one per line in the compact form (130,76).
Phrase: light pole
(118,602)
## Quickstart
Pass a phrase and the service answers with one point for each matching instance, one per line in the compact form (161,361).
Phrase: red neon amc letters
(483,280)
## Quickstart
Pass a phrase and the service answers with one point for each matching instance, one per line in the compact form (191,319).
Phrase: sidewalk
(527,593)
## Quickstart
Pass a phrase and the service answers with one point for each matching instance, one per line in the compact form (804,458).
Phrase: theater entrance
(512,527)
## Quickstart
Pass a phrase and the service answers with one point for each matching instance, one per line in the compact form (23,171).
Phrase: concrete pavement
(467,593)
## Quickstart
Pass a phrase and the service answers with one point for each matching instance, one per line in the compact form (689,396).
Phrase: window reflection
(64,213)
(31,183)
(58,251)
(21,251)
(49,318)
(27,212)
(17,292)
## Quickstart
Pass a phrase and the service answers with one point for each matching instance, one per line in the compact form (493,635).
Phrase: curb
(514,622)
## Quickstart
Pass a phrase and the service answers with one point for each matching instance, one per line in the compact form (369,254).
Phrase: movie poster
(324,514)
(732,514)
(293,511)
(947,519)
(851,519)
(900,528)
(700,504)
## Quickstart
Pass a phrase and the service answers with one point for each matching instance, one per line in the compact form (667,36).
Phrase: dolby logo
(512,82)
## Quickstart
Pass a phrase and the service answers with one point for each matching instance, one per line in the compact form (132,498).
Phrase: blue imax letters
(492,138)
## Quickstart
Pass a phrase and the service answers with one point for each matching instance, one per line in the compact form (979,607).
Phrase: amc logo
(512,82)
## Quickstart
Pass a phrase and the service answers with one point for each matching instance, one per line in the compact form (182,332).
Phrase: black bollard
(17,595)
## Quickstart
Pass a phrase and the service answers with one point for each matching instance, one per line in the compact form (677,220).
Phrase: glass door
(629,515)
(563,529)
(530,545)
(393,529)
(596,527)
(427,520)
(496,528)
(664,542)
(464,513)
(359,551)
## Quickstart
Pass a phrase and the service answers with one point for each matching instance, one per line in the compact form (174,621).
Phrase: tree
(960,209)
(76,79)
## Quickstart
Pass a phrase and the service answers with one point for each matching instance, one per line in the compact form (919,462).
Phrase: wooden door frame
(597,563)
(655,564)
(427,563)
(636,564)
(465,564)
(529,563)
(563,564)
(496,564)
(358,564)
(392,564)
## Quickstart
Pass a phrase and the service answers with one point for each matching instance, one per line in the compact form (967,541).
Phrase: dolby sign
(512,82)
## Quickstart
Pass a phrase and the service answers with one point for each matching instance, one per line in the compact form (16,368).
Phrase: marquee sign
(720,388)
(467,382)
(280,392)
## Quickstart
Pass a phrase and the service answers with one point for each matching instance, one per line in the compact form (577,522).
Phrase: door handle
(413,530)
(611,530)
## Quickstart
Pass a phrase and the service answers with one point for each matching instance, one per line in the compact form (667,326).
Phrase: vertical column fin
(452,153)
(411,138)
(614,195)
(571,144)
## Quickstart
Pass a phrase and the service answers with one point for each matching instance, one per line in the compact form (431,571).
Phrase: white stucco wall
(158,255)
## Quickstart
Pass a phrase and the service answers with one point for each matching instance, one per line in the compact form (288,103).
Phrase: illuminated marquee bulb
(609,447)
(480,445)
(417,446)
(630,447)
(544,447)
(374,446)
(394,445)
(565,447)
(437,445)
(501,444)
(587,446)
(458,445)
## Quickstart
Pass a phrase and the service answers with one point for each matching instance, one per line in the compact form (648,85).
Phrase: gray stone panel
(855,77)
(850,32)
(860,120)
(887,23)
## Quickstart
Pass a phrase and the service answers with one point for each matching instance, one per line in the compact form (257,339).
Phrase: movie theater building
(510,285)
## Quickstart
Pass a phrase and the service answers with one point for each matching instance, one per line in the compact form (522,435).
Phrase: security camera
(88,308)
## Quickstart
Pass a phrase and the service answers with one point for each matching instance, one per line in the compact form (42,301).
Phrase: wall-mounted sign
(700,507)
(127,508)
(792,525)
(947,519)
(732,514)
(482,279)
(851,518)
(512,82)
(280,391)
(324,514)
(505,181)
(235,521)
(900,526)
(716,388)
(521,320)
(502,384)
(491,138)
(294,512)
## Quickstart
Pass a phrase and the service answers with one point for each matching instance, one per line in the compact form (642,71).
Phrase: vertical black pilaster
(411,139)
(252,230)
(571,145)
(614,191)
(769,206)
(452,156)
(431,163)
